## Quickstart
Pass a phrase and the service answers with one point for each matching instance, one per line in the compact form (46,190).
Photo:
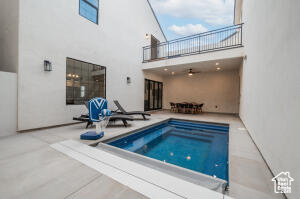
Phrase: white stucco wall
(153,76)
(219,89)
(54,30)
(8,104)
(270,98)
(9,18)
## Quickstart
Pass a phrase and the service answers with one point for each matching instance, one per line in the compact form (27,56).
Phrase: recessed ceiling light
(218,68)
(166,69)
(217,64)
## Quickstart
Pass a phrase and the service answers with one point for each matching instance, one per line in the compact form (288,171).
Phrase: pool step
(191,135)
(121,142)
(200,126)
(136,144)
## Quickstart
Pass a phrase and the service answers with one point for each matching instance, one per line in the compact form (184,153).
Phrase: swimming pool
(198,146)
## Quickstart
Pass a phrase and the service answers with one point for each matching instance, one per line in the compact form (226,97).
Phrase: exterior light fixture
(147,36)
(128,80)
(47,65)
(165,69)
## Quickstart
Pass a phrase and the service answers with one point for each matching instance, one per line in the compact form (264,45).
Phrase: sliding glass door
(153,95)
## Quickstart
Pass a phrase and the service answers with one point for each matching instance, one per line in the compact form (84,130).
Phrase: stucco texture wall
(9,25)
(8,105)
(54,30)
(153,76)
(270,93)
(219,91)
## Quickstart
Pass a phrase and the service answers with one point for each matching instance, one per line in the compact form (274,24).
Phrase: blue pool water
(201,147)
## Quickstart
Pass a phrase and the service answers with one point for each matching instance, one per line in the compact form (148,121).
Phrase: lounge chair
(114,117)
(122,111)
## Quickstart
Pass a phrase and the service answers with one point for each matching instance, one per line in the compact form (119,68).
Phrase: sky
(180,18)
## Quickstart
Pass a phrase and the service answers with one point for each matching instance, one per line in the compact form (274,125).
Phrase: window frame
(97,8)
(105,81)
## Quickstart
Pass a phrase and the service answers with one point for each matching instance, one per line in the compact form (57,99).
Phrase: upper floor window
(89,9)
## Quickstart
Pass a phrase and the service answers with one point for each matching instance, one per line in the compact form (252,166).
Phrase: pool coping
(150,182)
(194,177)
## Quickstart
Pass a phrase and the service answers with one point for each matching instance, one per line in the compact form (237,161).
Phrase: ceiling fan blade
(190,71)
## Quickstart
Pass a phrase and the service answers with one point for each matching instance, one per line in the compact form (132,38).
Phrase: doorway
(154,47)
(153,95)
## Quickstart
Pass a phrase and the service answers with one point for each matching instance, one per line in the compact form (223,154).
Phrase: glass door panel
(152,95)
(146,95)
(160,95)
(155,95)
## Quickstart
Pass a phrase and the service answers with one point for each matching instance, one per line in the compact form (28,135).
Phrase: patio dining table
(186,107)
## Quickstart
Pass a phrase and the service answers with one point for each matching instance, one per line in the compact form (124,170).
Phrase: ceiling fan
(191,72)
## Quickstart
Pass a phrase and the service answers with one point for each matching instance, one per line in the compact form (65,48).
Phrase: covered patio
(214,85)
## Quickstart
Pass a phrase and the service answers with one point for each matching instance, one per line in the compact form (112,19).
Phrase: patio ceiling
(206,66)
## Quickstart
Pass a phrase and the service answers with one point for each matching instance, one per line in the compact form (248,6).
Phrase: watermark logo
(283,182)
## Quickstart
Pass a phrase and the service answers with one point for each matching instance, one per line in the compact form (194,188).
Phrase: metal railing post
(242,34)
(168,49)
(199,43)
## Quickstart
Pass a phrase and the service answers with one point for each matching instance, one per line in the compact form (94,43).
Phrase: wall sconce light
(147,36)
(47,65)
(128,80)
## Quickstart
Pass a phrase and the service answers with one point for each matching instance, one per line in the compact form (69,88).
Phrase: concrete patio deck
(30,168)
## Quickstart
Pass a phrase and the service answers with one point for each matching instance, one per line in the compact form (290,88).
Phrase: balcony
(211,41)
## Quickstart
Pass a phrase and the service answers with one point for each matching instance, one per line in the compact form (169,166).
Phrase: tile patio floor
(30,168)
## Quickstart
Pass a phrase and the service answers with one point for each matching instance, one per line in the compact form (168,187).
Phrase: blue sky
(180,18)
